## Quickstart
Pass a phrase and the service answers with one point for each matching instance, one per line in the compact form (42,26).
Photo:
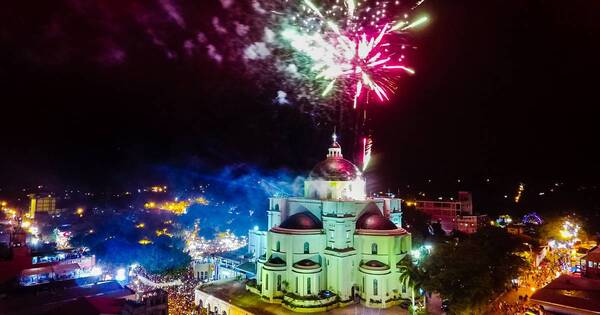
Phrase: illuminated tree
(413,276)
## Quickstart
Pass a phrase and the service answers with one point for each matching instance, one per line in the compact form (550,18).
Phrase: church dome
(302,221)
(335,169)
(374,220)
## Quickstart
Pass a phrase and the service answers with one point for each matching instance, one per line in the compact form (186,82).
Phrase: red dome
(374,220)
(302,221)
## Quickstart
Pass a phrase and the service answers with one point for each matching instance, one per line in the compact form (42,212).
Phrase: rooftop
(49,297)
(571,292)
(302,221)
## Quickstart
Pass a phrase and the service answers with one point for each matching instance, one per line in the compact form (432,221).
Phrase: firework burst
(351,43)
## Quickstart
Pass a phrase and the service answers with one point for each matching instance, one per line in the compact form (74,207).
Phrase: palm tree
(413,276)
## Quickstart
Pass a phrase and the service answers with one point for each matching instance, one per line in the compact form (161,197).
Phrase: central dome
(335,169)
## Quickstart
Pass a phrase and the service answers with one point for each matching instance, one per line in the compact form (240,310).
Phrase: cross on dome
(335,151)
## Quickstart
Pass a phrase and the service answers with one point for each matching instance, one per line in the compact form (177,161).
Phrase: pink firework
(370,61)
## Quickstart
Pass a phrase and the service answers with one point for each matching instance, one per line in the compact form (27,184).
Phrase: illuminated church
(332,246)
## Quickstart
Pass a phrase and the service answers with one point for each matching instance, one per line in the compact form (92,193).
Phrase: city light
(120,275)
(520,191)
(96,271)
(80,212)
(198,247)
(145,241)
(177,206)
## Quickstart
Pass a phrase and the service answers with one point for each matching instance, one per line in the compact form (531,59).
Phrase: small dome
(375,264)
(275,261)
(335,169)
(302,221)
(374,220)
(306,264)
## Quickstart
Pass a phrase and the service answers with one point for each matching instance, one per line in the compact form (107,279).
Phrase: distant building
(569,295)
(516,229)
(203,269)
(453,215)
(44,203)
(71,297)
(222,267)
(470,223)
(153,302)
(19,256)
(590,264)
(257,243)
(24,269)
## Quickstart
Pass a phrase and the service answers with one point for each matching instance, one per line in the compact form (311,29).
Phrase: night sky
(103,94)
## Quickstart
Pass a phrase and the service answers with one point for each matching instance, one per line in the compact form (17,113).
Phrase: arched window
(278,246)
(278,282)
(363,286)
(276,207)
(375,289)
(374,248)
(306,248)
(308,286)
(267,281)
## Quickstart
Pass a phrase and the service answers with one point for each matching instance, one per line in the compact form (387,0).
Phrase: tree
(471,272)
(413,276)
(417,223)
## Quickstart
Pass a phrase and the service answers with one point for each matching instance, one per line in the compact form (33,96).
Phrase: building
(453,215)
(70,297)
(221,267)
(590,264)
(25,269)
(257,243)
(331,246)
(45,203)
(153,302)
(470,223)
(516,229)
(569,295)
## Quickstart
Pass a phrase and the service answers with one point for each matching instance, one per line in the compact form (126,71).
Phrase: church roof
(335,169)
(302,221)
(373,219)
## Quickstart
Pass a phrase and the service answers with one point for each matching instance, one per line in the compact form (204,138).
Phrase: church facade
(334,245)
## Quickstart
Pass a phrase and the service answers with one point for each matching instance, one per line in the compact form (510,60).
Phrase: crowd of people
(181,296)
(516,301)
